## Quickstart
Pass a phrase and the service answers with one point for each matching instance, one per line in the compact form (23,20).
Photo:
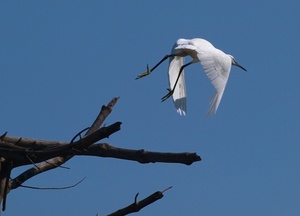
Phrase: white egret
(215,63)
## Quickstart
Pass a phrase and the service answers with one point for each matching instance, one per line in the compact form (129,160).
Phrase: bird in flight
(215,63)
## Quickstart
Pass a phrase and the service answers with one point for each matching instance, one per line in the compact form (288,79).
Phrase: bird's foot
(144,74)
(170,93)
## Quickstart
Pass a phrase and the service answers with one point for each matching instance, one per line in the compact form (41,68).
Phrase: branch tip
(166,189)
(18,141)
(135,198)
(112,103)
(3,135)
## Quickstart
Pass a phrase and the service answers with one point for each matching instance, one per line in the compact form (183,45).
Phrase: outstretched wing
(216,65)
(179,95)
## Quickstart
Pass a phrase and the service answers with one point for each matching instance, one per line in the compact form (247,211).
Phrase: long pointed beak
(238,65)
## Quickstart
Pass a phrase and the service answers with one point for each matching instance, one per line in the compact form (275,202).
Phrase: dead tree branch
(57,155)
(137,206)
(141,156)
(104,112)
(46,155)
(53,188)
(27,155)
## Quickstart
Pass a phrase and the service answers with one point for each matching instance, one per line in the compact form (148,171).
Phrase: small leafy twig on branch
(137,206)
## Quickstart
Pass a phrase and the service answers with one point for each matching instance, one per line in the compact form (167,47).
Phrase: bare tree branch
(23,156)
(46,155)
(106,150)
(104,112)
(68,150)
(53,188)
(141,156)
(93,136)
(137,206)
(6,167)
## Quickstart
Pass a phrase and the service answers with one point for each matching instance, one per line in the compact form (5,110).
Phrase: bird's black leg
(171,91)
(152,69)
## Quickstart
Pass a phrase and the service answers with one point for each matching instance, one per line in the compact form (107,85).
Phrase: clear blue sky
(61,60)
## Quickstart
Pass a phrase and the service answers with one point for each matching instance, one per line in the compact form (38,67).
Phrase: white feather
(179,95)
(216,65)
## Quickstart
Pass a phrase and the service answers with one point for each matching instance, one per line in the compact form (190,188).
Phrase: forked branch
(46,155)
(38,152)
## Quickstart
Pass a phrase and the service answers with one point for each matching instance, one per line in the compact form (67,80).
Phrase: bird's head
(234,62)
